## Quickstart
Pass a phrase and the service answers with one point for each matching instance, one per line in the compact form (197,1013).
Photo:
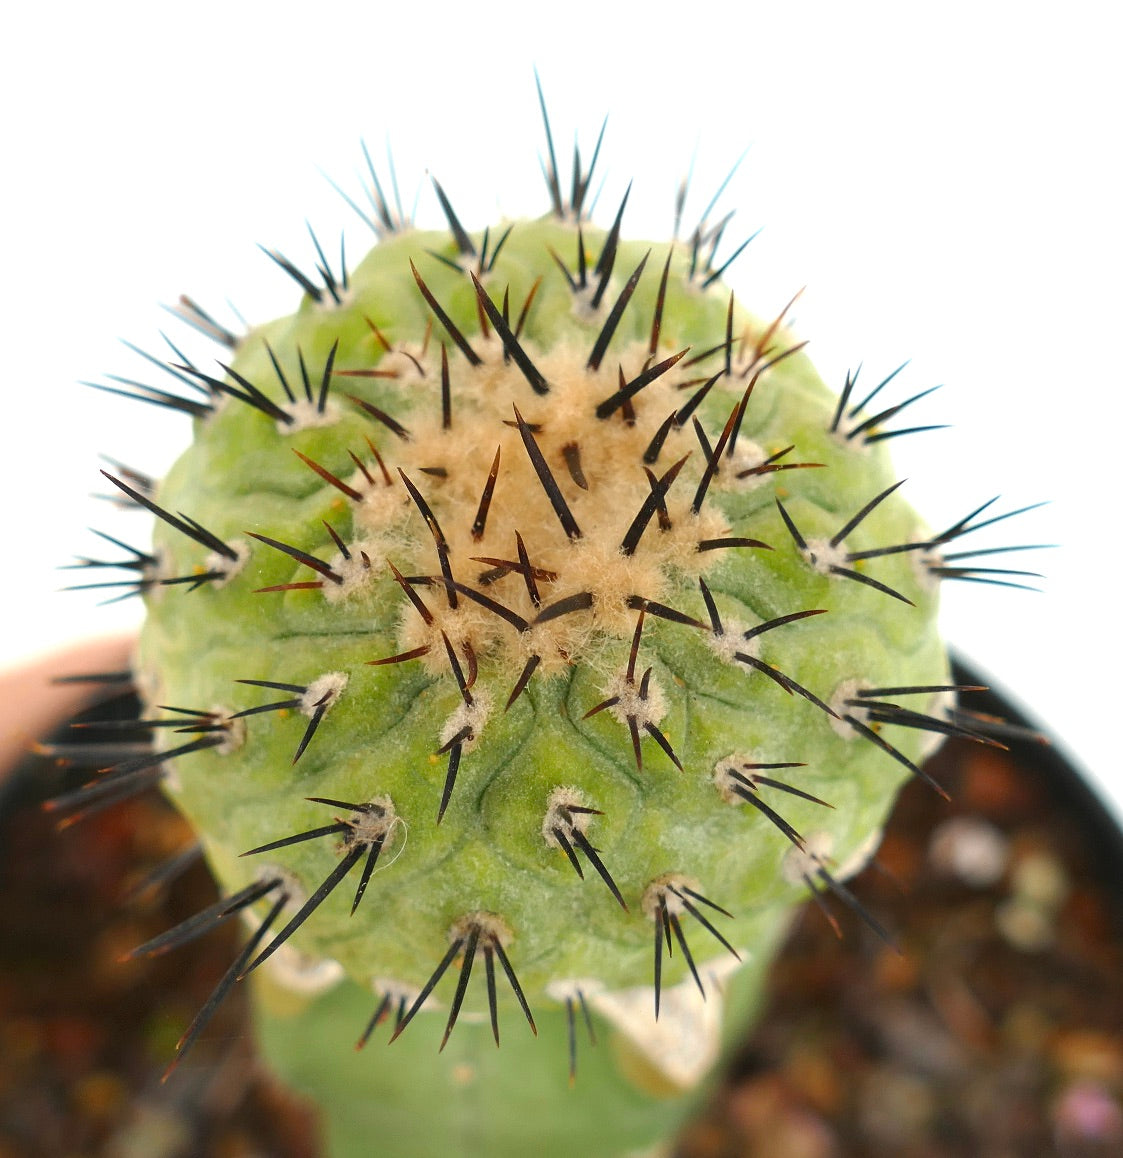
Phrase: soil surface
(992,1027)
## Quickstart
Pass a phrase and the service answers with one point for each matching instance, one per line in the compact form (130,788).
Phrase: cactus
(529,629)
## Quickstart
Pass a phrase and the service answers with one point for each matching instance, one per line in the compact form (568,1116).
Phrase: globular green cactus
(529,630)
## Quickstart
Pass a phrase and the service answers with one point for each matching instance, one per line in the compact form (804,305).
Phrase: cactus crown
(527,584)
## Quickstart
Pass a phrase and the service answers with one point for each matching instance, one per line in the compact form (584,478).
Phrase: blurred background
(943,180)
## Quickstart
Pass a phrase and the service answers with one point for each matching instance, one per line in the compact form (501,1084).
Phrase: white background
(943,178)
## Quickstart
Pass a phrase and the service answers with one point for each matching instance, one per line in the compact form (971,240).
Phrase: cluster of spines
(665,900)
(129,768)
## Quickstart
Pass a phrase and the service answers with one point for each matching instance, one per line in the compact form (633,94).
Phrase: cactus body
(552,629)
(523,768)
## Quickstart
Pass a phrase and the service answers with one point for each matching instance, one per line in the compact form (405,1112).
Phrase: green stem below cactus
(409,1101)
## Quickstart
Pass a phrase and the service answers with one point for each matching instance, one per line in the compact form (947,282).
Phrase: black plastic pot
(1068,784)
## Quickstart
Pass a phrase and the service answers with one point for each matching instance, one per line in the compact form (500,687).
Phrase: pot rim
(1069,783)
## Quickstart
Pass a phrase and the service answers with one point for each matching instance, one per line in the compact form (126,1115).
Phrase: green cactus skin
(552,629)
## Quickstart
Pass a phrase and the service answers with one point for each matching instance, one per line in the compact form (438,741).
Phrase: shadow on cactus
(529,630)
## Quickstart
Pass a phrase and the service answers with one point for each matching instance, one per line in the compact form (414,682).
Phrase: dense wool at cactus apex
(527,609)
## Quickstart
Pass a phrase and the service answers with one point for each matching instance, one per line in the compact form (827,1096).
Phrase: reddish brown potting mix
(993,1028)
